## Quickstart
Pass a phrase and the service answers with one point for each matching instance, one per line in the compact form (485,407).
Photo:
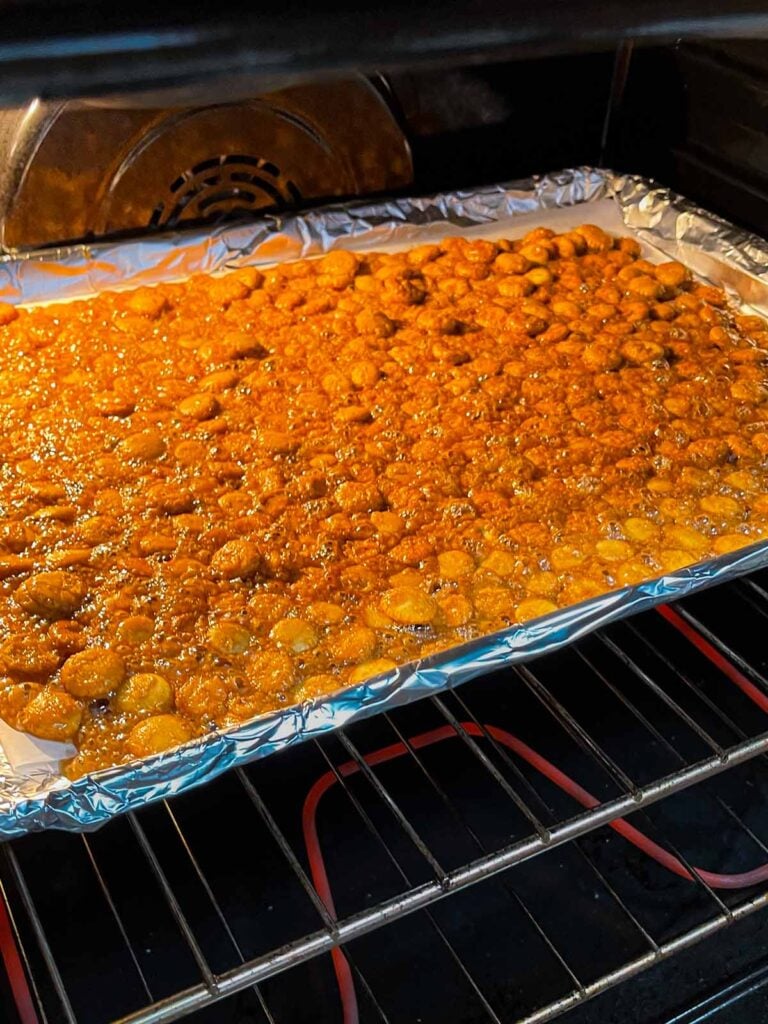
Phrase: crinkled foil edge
(667,222)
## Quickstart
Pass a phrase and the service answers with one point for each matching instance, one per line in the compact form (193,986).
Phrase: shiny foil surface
(36,796)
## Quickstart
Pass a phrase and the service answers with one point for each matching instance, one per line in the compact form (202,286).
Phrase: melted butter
(217,458)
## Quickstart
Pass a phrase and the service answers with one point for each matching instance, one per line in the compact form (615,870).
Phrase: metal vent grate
(223,186)
(439,840)
(85,170)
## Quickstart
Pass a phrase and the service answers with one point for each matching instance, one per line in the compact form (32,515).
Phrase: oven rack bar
(642,963)
(693,710)
(421,897)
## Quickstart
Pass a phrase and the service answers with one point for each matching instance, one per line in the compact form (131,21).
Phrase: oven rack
(638,713)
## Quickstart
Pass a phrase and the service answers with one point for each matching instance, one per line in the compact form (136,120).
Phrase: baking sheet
(33,794)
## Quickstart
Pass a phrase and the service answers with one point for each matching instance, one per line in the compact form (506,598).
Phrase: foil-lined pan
(33,794)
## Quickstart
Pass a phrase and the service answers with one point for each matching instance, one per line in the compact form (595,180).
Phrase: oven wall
(693,116)
(478,125)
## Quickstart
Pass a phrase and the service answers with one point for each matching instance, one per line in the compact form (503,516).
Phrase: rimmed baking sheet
(33,793)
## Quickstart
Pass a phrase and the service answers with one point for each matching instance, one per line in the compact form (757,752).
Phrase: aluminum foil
(35,796)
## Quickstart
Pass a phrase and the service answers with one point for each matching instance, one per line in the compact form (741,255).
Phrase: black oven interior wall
(691,115)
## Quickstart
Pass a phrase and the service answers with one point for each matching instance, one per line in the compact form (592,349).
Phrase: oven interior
(435,864)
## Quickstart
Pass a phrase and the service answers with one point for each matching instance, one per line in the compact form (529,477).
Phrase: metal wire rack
(210,895)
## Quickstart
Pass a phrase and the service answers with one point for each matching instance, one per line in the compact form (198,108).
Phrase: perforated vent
(223,186)
(82,170)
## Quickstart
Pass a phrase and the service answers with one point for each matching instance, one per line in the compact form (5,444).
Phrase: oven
(582,837)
